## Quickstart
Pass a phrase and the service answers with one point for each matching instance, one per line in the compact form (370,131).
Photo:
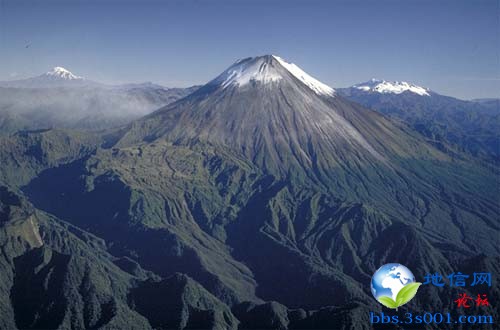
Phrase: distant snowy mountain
(61,73)
(391,87)
(470,126)
(57,77)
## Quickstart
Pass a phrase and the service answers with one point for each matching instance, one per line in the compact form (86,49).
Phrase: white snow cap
(60,72)
(317,86)
(249,69)
(264,70)
(392,87)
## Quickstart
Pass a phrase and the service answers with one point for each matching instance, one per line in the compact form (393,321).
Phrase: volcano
(281,118)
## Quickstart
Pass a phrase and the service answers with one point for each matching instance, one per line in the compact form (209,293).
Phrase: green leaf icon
(407,293)
(404,295)
(387,302)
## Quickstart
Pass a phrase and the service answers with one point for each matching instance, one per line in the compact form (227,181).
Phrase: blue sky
(451,47)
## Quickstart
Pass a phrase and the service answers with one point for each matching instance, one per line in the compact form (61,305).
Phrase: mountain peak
(62,73)
(262,69)
(391,87)
(268,69)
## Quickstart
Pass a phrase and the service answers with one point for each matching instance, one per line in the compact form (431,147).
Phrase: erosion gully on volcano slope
(262,187)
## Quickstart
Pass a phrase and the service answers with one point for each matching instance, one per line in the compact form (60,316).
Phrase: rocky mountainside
(262,200)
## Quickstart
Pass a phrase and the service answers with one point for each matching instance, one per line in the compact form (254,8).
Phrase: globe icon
(389,279)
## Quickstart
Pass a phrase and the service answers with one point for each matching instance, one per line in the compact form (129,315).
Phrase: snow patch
(251,69)
(60,72)
(317,86)
(391,87)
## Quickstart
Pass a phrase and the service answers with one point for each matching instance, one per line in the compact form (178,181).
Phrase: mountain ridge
(447,122)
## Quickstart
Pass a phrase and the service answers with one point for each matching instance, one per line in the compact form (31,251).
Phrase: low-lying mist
(89,108)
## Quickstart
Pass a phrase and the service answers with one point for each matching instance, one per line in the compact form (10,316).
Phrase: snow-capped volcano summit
(391,87)
(267,69)
(55,78)
(59,72)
